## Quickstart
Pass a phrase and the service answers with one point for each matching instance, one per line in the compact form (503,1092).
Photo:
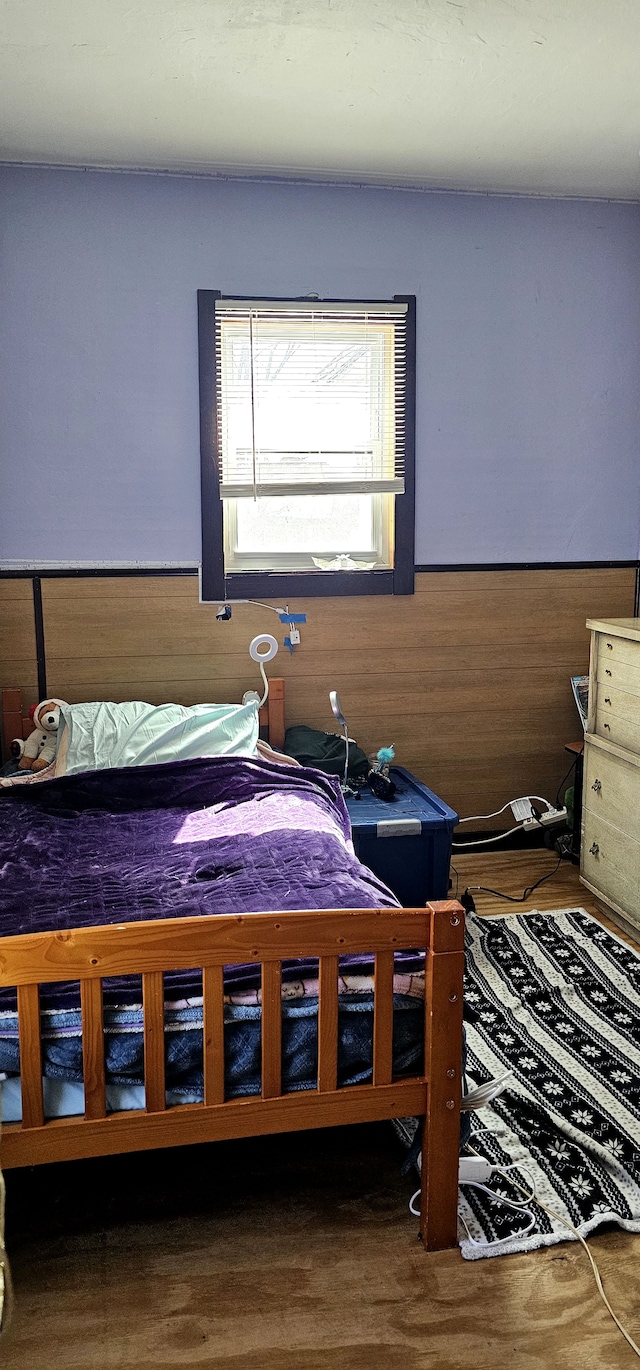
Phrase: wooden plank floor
(513,872)
(296,1253)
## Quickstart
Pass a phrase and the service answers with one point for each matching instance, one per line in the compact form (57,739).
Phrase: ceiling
(529,96)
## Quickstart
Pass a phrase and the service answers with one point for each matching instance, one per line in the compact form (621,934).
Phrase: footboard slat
(30,1055)
(383,1019)
(327,1023)
(153,1009)
(213,1034)
(271,1030)
(95,1105)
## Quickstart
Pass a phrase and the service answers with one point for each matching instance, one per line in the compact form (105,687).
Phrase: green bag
(325,751)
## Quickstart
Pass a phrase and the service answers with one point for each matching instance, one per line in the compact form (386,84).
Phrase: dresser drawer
(619,675)
(622,650)
(612,790)
(610,862)
(618,717)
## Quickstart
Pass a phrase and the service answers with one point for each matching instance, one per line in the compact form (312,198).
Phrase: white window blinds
(311,397)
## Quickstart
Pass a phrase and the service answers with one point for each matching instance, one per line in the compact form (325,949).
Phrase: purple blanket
(222,835)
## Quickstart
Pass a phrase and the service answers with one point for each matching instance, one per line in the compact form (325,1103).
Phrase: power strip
(474,1168)
(548,819)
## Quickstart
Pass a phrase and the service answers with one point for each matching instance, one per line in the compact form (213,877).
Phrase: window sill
(307,584)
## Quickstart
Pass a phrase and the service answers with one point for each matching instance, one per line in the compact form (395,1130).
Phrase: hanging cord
(253,408)
(260,605)
(564,781)
(533,1198)
(266,685)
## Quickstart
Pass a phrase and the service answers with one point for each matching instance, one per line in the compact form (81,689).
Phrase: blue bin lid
(412,801)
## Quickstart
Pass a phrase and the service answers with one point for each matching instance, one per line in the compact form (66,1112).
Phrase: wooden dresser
(610,848)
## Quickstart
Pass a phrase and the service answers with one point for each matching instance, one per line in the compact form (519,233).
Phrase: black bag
(325,751)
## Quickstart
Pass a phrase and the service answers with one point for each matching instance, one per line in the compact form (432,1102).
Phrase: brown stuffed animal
(40,746)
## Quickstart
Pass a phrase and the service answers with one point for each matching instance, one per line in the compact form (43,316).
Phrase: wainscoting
(469,678)
(18,668)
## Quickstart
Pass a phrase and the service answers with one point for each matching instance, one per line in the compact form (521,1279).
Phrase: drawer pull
(607,671)
(607,700)
(609,646)
(594,849)
(607,726)
(597,786)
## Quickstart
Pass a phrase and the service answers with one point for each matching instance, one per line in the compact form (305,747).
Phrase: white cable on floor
(514,1236)
(533,1198)
(498,1198)
(508,1203)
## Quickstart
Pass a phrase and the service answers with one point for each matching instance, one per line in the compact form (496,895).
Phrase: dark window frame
(215,585)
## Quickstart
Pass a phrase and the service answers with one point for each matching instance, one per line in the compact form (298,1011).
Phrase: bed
(291,981)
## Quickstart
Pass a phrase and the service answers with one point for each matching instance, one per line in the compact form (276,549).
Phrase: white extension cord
(532,1198)
(476,1171)
(526,819)
(484,1094)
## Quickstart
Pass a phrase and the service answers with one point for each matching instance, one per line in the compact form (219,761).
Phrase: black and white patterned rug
(554,998)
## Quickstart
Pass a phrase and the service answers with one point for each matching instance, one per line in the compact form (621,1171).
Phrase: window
(307,431)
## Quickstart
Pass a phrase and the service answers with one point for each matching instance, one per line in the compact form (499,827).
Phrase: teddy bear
(40,746)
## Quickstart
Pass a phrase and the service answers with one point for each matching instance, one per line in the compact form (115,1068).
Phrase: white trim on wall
(37,566)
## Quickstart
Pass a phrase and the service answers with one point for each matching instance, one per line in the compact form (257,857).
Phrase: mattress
(62,1056)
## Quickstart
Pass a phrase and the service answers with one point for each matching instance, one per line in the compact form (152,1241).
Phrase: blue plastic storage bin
(405,842)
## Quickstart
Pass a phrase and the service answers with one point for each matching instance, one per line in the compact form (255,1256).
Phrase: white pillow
(100,736)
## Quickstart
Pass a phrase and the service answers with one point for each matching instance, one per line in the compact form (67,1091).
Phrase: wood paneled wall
(469,678)
(18,669)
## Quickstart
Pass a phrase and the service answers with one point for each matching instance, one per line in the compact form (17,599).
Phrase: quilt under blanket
(211,836)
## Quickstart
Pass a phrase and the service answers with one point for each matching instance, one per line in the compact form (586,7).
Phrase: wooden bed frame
(210,943)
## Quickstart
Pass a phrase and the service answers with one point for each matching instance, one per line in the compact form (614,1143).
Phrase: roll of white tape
(263,640)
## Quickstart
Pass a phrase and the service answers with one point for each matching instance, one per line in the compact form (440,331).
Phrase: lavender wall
(528,356)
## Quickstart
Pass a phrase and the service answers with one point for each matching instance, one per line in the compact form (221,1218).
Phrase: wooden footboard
(90,954)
